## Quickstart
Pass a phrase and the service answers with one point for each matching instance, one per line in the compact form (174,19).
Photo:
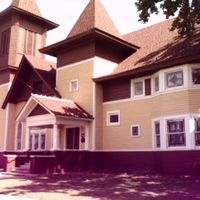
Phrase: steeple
(28,5)
(94,16)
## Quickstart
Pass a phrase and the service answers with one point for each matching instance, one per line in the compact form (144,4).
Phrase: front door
(72,138)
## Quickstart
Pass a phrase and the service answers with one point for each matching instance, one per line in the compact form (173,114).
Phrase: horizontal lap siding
(116,90)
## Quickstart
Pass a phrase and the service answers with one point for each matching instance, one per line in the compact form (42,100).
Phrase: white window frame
(195,131)
(133,82)
(139,130)
(40,132)
(154,86)
(109,114)
(185,132)
(70,85)
(196,66)
(174,70)
(154,134)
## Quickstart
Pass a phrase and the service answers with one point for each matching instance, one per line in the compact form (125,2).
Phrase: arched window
(19,136)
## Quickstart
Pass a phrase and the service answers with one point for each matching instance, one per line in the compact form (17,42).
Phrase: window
(176,132)
(19,136)
(197,131)
(37,140)
(135,130)
(147,87)
(74,85)
(138,88)
(157,134)
(4,42)
(113,118)
(196,76)
(174,79)
(30,42)
(156,84)
(73,138)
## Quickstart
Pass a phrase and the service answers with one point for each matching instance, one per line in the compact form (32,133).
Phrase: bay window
(196,76)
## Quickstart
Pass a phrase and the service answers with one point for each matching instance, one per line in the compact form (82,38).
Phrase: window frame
(21,124)
(166,73)
(109,114)
(139,130)
(155,134)
(176,133)
(191,74)
(196,132)
(77,85)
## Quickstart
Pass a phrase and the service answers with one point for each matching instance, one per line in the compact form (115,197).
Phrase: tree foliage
(188,12)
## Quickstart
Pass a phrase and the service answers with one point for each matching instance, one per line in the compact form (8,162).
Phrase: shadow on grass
(113,186)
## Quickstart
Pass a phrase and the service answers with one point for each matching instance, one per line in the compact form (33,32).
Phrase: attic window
(37,87)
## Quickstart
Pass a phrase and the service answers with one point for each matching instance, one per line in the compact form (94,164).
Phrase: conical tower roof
(94,16)
(28,5)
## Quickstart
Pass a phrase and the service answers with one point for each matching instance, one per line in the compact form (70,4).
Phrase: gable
(38,110)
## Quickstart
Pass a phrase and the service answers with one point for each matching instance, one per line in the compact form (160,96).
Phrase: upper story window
(4,42)
(139,88)
(30,42)
(176,132)
(74,85)
(196,76)
(156,84)
(174,79)
(113,118)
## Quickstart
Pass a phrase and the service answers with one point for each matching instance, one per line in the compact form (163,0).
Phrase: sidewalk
(8,197)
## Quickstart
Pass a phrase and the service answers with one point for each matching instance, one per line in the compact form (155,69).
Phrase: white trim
(77,85)
(6,84)
(114,112)
(74,64)
(139,130)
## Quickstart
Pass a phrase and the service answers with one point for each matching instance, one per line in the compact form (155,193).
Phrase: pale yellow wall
(83,72)
(3,92)
(142,112)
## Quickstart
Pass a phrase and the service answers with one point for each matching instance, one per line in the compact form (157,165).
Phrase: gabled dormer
(22,31)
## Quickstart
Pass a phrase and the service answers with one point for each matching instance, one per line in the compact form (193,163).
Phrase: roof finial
(28,5)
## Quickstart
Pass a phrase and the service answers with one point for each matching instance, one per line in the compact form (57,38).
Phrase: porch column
(56,137)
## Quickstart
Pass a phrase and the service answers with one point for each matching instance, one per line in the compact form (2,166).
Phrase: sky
(66,12)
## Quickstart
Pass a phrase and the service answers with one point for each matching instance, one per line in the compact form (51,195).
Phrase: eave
(149,69)
(12,10)
(95,35)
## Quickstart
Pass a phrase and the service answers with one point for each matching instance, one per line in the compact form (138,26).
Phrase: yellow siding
(142,112)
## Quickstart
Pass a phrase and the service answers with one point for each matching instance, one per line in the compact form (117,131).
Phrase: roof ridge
(51,98)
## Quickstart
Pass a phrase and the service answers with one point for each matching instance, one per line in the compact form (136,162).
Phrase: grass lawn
(104,186)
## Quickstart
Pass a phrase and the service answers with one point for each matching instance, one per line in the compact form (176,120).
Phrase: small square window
(74,85)
(174,79)
(135,130)
(113,118)
(196,76)
(139,88)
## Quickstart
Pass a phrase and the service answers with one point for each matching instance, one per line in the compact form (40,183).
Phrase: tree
(188,12)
